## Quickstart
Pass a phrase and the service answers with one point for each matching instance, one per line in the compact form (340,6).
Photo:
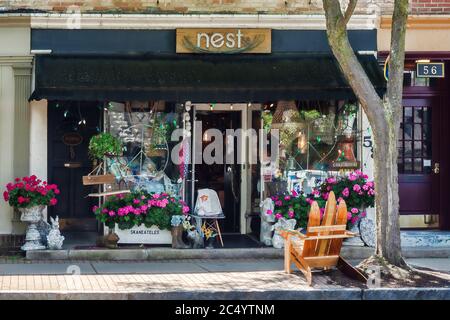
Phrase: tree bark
(383,115)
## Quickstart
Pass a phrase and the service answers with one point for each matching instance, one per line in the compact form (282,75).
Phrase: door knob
(436,168)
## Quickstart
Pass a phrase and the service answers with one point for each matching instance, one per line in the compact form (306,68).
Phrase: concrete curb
(348,252)
(311,294)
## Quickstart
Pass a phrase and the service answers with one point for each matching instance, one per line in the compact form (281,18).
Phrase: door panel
(419,156)
(67,164)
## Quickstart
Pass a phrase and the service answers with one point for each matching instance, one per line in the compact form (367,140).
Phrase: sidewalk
(185,279)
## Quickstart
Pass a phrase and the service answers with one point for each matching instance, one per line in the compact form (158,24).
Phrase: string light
(231,106)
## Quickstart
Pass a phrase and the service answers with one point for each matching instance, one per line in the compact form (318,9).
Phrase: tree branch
(349,12)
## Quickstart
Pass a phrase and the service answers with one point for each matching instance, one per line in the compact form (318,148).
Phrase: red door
(419,161)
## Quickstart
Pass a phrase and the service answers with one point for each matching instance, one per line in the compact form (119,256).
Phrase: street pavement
(175,279)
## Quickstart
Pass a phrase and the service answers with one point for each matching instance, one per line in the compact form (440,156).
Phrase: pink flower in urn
(185,209)
(345,192)
(269,212)
(144,208)
(339,199)
(371,192)
(354,220)
(6,195)
(111,213)
(94,208)
(278,216)
(291,214)
(354,210)
(53,201)
(279,203)
(357,188)
(137,212)
(363,214)
(352,177)
(136,201)
(294,193)
(287,198)
(156,196)
(349,216)
(325,196)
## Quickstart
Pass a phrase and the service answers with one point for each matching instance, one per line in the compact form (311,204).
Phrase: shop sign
(143,235)
(72,139)
(430,70)
(225,41)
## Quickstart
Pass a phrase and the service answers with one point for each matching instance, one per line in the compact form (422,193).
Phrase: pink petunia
(53,201)
(111,213)
(291,214)
(345,192)
(269,212)
(356,188)
(349,216)
(354,210)
(278,216)
(6,195)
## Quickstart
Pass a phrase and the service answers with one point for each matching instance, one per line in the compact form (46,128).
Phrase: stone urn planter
(32,216)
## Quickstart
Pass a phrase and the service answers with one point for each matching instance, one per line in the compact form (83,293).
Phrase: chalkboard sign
(430,70)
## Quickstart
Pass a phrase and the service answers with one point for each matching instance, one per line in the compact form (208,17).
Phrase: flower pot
(177,238)
(111,240)
(355,241)
(33,239)
(210,243)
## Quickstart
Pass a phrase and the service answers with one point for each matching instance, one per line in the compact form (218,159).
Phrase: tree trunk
(383,116)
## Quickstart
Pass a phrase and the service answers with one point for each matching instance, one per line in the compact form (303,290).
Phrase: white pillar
(6,142)
(38,140)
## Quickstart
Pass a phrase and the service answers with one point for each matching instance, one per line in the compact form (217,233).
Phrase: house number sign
(430,70)
(224,41)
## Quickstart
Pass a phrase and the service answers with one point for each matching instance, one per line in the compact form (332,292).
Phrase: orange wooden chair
(321,246)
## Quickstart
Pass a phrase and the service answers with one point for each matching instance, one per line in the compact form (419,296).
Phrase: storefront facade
(292,69)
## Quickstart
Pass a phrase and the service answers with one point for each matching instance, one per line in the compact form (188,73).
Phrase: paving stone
(146,267)
(44,268)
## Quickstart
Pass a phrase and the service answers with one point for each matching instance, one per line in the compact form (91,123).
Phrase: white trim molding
(172,21)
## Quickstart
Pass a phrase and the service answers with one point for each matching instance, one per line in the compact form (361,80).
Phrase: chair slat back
(309,246)
(341,218)
(329,218)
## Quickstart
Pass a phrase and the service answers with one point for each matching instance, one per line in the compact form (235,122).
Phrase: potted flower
(104,144)
(140,209)
(210,236)
(356,190)
(30,196)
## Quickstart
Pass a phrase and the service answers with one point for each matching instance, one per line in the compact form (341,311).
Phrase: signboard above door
(225,41)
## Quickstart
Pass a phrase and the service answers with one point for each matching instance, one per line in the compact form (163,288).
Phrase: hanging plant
(104,144)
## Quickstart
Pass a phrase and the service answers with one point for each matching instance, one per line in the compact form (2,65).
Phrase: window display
(316,138)
(144,128)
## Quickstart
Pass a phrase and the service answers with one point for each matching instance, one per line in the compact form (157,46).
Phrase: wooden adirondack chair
(321,246)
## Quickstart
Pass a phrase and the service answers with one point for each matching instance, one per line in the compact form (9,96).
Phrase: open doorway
(222,177)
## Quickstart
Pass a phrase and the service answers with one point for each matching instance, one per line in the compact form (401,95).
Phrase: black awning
(199,79)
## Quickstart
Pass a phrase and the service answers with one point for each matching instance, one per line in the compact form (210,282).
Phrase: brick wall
(430,6)
(183,6)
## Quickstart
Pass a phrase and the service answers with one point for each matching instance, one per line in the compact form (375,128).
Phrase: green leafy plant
(104,144)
